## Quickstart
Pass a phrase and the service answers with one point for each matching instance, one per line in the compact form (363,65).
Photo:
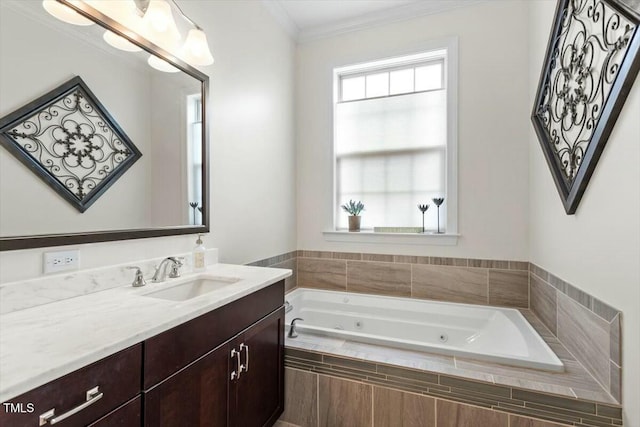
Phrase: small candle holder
(438,201)
(194,206)
(423,209)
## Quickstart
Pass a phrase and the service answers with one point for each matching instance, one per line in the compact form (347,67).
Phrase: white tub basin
(195,288)
(493,334)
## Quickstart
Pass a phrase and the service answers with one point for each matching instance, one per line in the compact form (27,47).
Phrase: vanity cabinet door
(197,395)
(257,397)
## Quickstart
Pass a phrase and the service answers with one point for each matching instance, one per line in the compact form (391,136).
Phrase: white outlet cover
(55,262)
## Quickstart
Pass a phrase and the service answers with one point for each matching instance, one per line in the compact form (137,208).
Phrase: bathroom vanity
(212,360)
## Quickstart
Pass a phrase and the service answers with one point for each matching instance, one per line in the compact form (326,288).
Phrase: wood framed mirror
(166,192)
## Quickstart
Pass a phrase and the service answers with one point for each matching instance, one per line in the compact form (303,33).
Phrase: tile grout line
(435,411)
(529,287)
(373,423)
(346,276)
(488,272)
(411,280)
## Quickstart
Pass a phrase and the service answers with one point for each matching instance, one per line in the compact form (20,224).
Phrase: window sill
(369,236)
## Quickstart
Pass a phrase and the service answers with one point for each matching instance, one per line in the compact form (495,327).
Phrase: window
(194,158)
(394,145)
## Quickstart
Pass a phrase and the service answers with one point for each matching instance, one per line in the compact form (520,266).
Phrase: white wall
(169,195)
(492,116)
(253,153)
(598,248)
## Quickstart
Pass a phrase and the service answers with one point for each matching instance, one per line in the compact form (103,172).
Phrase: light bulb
(120,42)
(65,13)
(159,26)
(124,12)
(159,17)
(161,65)
(196,48)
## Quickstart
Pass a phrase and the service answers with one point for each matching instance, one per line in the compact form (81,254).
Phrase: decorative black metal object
(423,209)
(69,140)
(591,62)
(194,206)
(438,202)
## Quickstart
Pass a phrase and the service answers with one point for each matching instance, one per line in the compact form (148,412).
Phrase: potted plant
(353,209)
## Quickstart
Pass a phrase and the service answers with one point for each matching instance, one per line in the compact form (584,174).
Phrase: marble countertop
(42,343)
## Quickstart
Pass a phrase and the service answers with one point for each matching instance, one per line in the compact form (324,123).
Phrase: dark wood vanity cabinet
(256,397)
(83,396)
(238,382)
(223,368)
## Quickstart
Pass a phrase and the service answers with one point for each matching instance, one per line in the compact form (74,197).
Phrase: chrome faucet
(139,278)
(292,328)
(161,272)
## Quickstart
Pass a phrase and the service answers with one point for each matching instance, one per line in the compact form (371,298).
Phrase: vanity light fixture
(65,13)
(153,19)
(158,25)
(161,65)
(196,49)
(120,42)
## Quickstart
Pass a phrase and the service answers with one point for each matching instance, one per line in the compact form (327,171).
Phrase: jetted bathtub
(493,334)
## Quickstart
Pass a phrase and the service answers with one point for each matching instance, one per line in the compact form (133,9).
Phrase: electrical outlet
(55,262)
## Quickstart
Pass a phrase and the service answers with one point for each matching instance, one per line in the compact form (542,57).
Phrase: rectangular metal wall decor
(592,61)
(70,141)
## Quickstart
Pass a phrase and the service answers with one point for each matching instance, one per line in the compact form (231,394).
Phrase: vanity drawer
(174,349)
(117,377)
(127,415)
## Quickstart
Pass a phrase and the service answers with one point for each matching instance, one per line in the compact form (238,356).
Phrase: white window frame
(451,197)
(193,104)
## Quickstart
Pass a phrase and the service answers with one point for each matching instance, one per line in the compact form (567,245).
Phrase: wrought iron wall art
(591,63)
(69,140)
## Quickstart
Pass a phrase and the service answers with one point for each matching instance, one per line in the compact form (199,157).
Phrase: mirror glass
(160,112)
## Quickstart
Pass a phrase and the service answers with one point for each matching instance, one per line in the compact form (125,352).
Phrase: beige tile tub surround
(322,273)
(588,327)
(344,403)
(395,408)
(573,397)
(454,284)
(287,260)
(471,281)
(301,397)
(351,403)
(380,278)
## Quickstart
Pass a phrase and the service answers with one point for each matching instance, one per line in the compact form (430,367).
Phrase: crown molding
(282,17)
(382,17)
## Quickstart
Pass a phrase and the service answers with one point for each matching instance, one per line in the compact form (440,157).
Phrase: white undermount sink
(192,289)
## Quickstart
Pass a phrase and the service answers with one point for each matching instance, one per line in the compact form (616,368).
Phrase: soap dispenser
(198,255)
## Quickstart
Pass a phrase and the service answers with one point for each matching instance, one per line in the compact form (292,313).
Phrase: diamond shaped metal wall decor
(70,141)
(591,63)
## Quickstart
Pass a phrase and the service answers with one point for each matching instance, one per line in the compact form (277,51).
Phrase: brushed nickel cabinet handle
(239,366)
(245,367)
(93,396)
